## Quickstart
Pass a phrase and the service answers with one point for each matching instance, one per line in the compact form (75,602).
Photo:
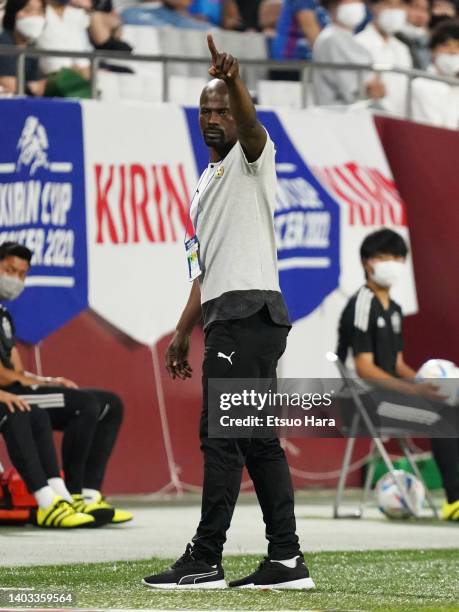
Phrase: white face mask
(392,20)
(10,287)
(386,273)
(448,63)
(351,15)
(30,27)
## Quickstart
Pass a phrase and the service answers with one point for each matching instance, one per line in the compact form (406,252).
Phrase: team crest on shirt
(6,326)
(380,322)
(396,321)
(220,172)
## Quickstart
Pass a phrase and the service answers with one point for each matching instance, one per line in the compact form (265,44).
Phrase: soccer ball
(446,375)
(391,503)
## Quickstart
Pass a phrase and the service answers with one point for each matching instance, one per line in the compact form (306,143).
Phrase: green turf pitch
(375,580)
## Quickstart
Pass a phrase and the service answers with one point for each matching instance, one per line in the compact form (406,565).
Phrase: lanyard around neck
(200,192)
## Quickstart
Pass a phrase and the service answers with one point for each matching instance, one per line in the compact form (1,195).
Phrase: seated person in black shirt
(23,22)
(371,328)
(90,419)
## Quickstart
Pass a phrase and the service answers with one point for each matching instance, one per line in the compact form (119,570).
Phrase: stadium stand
(174,28)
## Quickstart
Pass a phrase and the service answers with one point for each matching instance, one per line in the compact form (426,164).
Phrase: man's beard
(214,137)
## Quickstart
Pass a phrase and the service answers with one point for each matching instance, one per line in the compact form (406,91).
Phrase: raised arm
(251,133)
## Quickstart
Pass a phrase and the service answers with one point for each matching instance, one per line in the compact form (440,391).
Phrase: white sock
(58,486)
(291,563)
(44,496)
(91,495)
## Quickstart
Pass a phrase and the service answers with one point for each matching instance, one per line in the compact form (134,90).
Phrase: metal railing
(305,68)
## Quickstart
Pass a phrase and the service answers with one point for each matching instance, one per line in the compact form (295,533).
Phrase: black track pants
(257,344)
(29,441)
(90,420)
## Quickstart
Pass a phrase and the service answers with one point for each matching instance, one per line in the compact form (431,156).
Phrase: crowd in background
(422,34)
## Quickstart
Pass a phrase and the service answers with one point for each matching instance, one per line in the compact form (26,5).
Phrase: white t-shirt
(391,53)
(435,103)
(68,32)
(233,215)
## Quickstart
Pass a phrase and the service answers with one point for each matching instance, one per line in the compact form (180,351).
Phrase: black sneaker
(273,574)
(188,573)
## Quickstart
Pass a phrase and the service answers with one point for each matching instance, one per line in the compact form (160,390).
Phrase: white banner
(140,172)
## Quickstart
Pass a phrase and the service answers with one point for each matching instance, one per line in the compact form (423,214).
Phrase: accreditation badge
(192,256)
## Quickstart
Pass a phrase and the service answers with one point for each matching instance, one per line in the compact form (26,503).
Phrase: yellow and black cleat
(118,516)
(122,516)
(62,515)
(102,512)
(450,512)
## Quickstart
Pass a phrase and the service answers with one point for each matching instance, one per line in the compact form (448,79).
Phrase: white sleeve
(265,162)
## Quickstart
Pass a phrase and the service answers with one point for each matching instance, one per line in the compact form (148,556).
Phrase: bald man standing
(232,262)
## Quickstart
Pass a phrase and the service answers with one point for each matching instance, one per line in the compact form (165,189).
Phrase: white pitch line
(16,588)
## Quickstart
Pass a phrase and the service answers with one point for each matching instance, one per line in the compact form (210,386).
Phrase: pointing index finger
(212,47)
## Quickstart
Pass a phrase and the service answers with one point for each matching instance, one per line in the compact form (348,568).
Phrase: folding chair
(355,389)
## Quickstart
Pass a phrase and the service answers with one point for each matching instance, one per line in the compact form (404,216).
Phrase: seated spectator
(168,12)
(378,37)
(23,22)
(298,26)
(435,102)
(337,44)
(66,29)
(415,33)
(29,440)
(90,419)
(442,10)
